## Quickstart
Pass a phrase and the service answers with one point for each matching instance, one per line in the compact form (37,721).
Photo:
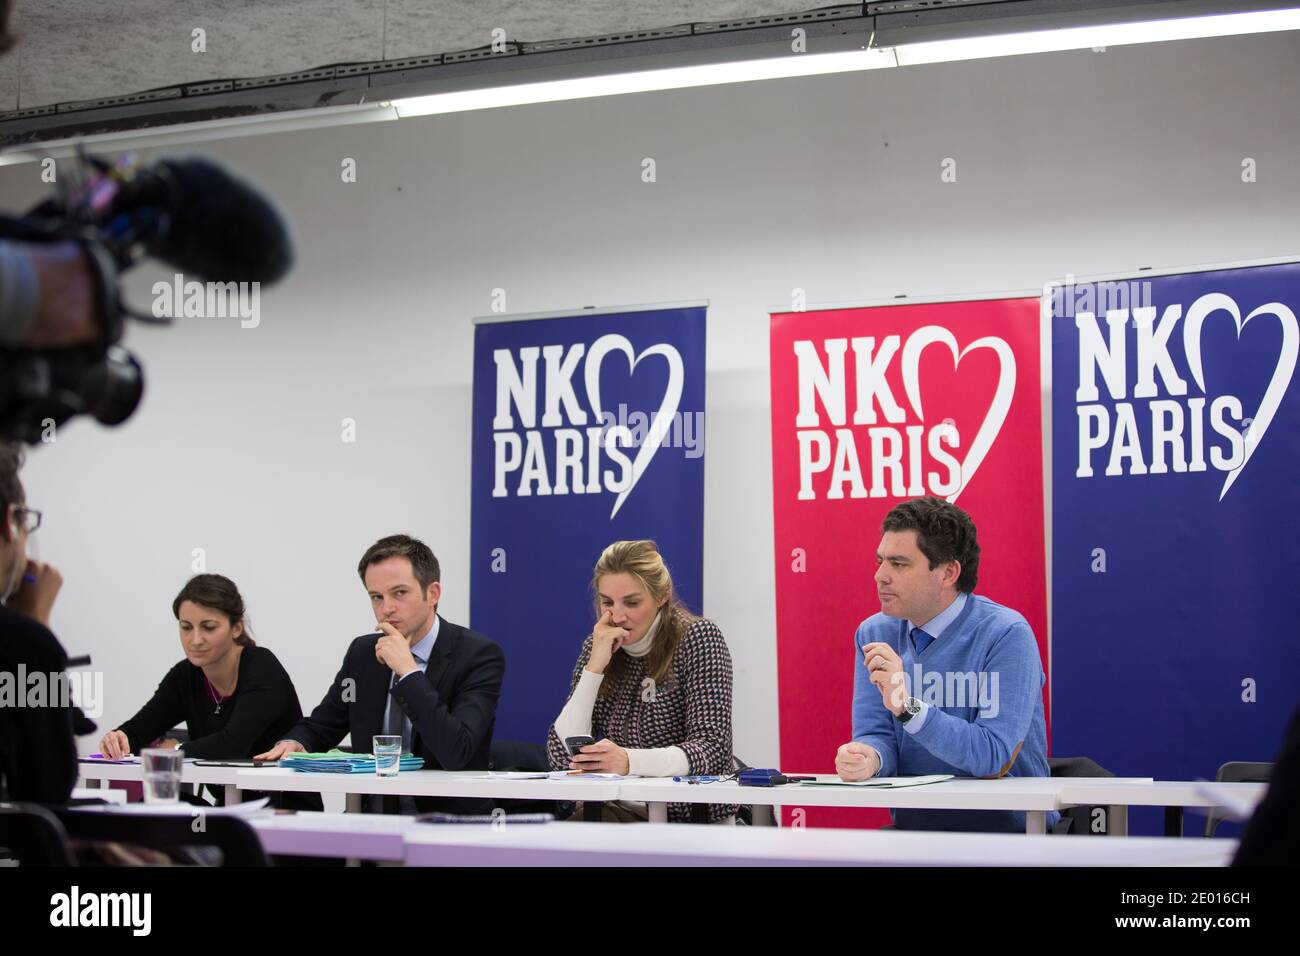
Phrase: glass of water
(162,774)
(388,755)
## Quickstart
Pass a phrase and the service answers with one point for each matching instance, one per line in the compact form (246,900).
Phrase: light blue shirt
(935,627)
(424,647)
(420,651)
(939,623)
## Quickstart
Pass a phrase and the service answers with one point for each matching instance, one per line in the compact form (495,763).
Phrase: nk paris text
(1184,431)
(576,447)
(887,450)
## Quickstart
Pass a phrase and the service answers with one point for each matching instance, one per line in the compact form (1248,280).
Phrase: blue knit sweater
(982,683)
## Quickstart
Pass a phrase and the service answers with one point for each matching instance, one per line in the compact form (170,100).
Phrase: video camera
(188,213)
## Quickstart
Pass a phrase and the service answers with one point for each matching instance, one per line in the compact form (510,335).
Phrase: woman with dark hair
(234,697)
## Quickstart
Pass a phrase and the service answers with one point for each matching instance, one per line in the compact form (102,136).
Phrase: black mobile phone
(574,744)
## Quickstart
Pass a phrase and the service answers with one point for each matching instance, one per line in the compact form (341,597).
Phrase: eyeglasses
(30,517)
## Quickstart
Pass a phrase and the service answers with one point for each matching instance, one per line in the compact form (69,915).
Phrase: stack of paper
(552,775)
(337,761)
(883,783)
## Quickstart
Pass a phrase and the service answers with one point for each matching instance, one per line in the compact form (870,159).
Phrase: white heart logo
(998,408)
(1282,372)
(667,408)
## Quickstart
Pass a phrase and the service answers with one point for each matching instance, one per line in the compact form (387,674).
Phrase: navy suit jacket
(451,705)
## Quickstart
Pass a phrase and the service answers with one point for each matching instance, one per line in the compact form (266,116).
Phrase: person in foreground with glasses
(38,752)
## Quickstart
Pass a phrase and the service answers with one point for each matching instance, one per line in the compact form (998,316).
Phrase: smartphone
(574,744)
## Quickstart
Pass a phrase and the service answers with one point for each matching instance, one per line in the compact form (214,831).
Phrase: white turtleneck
(575,719)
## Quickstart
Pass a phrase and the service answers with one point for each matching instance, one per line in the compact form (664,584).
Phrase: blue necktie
(920,639)
(395,723)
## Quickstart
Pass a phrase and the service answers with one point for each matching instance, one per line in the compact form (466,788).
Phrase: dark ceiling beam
(827,30)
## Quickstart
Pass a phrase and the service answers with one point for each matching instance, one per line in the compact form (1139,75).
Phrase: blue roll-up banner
(1175,519)
(588,429)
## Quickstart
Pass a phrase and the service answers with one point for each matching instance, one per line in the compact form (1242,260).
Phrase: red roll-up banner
(872,406)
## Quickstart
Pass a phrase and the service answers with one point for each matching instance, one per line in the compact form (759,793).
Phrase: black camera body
(41,389)
(188,213)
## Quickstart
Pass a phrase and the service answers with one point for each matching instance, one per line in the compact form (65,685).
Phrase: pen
(699,778)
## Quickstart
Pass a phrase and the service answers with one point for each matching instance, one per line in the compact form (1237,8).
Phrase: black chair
(1236,771)
(236,841)
(33,836)
(517,755)
(525,755)
(1078,820)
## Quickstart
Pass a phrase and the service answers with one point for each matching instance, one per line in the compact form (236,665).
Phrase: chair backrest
(237,841)
(1076,767)
(518,755)
(1236,771)
(1079,820)
(1245,771)
(34,836)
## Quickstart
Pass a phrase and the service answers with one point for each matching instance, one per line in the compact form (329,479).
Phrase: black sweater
(38,754)
(262,709)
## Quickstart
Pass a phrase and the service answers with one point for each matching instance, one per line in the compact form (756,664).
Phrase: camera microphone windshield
(205,221)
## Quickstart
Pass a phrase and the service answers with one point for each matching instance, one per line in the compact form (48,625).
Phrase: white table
(428,783)
(662,844)
(99,793)
(360,836)
(1120,793)
(101,773)
(396,839)
(1034,796)
(435,783)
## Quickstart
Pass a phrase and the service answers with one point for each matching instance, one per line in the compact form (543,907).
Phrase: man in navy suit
(434,682)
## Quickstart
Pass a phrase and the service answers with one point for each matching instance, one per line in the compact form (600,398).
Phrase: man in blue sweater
(944,681)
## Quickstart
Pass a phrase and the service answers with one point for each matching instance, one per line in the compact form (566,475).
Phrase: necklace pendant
(218,710)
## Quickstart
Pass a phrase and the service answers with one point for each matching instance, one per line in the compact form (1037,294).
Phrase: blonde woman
(652,684)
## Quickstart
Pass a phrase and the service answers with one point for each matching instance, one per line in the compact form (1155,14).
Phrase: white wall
(1081,162)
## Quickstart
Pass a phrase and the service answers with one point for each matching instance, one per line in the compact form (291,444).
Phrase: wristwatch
(911,707)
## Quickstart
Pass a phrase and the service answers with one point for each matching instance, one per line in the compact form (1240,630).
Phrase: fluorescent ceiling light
(807,64)
(1086,38)
(672,78)
(202,131)
(645,81)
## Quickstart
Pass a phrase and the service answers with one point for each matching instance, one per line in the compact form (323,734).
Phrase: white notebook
(881,783)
